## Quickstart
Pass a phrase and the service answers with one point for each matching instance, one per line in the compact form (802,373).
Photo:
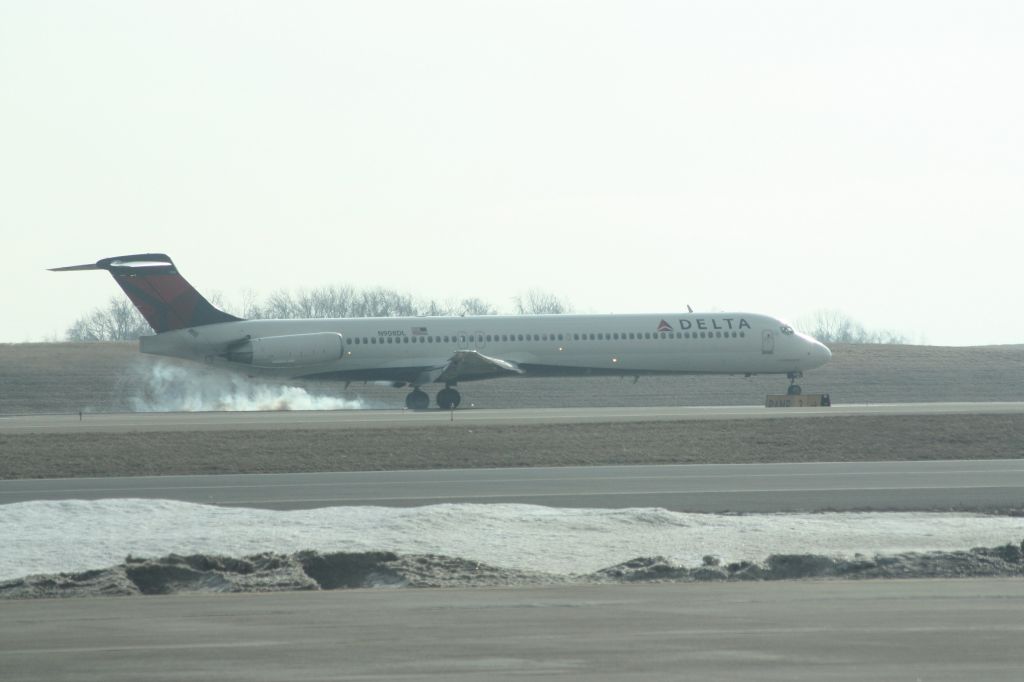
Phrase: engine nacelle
(288,351)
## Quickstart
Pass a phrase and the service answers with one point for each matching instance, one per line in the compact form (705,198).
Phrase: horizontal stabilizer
(69,268)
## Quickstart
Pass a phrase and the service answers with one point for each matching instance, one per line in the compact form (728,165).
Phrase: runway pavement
(936,630)
(880,486)
(389,419)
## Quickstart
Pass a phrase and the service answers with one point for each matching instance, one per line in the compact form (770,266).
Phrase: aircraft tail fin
(163,296)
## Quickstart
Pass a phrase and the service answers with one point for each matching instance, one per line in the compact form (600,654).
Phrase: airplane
(417,351)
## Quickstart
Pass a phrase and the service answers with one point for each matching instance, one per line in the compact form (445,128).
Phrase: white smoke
(170,388)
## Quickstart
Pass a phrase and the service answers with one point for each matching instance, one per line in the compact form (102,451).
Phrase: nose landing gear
(794,388)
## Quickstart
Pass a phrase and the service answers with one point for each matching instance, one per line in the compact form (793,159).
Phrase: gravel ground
(713,441)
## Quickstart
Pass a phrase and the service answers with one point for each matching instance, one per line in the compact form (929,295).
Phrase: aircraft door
(767,342)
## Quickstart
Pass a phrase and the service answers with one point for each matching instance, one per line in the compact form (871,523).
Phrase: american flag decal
(419,331)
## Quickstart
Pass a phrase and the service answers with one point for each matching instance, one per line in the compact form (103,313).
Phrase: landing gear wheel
(448,398)
(794,388)
(417,400)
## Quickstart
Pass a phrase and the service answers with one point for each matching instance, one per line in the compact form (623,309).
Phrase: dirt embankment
(108,377)
(312,570)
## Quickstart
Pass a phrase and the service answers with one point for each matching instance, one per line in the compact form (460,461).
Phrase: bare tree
(476,306)
(250,309)
(119,321)
(435,308)
(834,326)
(537,302)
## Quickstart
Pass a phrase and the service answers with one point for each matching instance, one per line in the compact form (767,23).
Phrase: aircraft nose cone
(824,353)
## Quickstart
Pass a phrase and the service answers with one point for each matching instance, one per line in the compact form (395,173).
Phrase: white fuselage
(408,349)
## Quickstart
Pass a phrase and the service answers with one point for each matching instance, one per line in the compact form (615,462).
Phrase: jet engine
(288,351)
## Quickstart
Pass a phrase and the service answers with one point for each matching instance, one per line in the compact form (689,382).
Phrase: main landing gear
(447,399)
(794,388)
(417,400)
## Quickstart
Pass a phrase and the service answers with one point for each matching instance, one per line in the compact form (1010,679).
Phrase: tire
(417,400)
(448,398)
(794,389)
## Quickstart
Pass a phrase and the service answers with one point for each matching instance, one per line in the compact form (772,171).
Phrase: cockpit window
(787,330)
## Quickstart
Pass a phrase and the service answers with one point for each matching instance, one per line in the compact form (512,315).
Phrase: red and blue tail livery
(163,296)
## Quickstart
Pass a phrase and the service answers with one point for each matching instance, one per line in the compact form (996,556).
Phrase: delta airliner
(417,351)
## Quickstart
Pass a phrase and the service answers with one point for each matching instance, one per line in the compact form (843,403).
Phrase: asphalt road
(809,486)
(390,419)
(935,630)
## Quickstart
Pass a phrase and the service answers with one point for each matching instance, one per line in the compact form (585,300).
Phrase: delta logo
(664,326)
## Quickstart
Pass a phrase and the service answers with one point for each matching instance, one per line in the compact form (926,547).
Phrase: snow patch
(47,537)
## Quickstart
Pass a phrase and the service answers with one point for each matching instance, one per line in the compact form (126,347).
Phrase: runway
(810,486)
(390,419)
(936,630)
(945,630)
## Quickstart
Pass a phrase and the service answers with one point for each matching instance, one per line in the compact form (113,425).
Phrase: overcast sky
(777,157)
